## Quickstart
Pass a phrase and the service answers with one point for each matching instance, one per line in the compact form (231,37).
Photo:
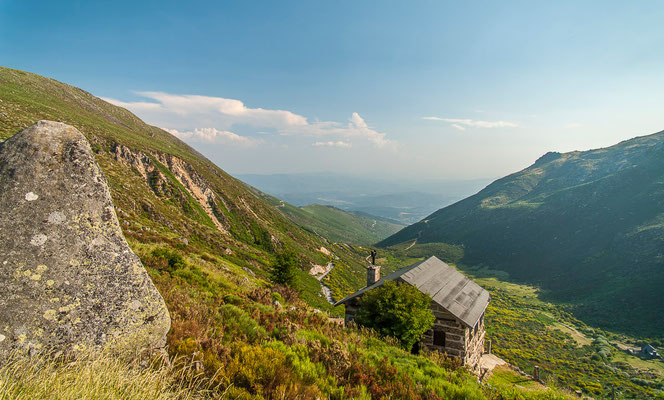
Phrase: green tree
(400,311)
(285,267)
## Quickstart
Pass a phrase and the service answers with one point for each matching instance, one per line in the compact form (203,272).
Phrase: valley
(397,201)
(527,329)
(209,242)
(331,200)
(585,226)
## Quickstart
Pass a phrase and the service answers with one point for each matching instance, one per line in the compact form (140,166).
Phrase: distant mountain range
(336,224)
(588,226)
(403,202)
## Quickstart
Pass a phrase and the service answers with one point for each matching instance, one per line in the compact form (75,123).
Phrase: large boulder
(68,280)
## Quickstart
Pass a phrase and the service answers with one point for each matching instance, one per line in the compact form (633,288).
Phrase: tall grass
(104,377)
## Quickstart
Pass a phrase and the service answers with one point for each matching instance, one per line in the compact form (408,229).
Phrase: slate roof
(647,348)
(446,286)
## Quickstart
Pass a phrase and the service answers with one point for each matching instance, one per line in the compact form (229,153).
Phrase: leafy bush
(284,269)
(276,296)
(236,317)
(193,275)
(170,259)
(401,311)
(231,298)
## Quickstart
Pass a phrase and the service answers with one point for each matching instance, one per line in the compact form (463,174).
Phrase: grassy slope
(256,229)
(527,331)
(586,225)
(224,320)
(335,224)
(105,377)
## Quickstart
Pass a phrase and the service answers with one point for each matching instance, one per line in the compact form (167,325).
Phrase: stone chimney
(373,274)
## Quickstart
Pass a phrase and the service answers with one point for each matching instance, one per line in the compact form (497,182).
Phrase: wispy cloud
(354,129)
(461,124)
(332,144)
(212,135)
(190,115)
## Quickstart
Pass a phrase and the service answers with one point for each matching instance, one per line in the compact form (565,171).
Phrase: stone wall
(475,344)
(455,333)
(460,341)
(352,307)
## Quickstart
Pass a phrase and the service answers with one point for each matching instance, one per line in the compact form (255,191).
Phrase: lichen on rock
(68,279)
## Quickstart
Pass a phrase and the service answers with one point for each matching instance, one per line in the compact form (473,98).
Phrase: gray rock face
(68,279)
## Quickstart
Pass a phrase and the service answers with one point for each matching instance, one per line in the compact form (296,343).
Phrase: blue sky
(393,89)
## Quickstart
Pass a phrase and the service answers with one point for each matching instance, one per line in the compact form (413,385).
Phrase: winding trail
(324,289)
(412,244)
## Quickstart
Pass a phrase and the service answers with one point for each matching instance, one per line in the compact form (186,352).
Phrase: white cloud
(460,123)
(459,127)
(188,113)
(332,144)
(212,135)
(355,128)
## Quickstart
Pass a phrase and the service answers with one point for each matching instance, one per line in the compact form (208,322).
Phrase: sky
(392,89)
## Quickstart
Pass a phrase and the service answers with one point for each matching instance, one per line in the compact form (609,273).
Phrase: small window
(439,338)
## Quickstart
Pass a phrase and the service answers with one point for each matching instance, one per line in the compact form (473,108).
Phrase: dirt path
(324,289)
(412,244)
(580,339)
(327,293)
(328,269)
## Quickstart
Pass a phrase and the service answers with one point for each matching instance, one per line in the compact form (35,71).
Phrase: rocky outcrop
(141,162)
(68,280)
(185,174)
(197,187)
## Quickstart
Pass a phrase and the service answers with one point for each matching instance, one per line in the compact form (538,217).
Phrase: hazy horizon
(435,90)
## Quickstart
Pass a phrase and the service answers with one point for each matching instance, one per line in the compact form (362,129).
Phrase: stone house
(649,351)
(458,304)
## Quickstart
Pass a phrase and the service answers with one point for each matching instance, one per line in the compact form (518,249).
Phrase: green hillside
(335,224)
(208,243)
(186,198)
(588,226)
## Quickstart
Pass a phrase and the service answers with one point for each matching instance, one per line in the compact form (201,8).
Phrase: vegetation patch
(400,311)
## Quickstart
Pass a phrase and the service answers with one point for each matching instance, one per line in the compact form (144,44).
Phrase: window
(439,338)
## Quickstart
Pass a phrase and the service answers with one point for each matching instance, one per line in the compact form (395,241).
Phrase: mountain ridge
(586,225)
(164,190)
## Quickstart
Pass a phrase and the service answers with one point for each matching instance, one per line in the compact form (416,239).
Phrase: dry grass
(104,377)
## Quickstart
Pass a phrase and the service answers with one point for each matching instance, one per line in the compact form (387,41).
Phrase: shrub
(260,295)
(395,310)
(284,269)
(231,298)
(276,296)
(171,260)
(194,276)
(238,318)
(289,294)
